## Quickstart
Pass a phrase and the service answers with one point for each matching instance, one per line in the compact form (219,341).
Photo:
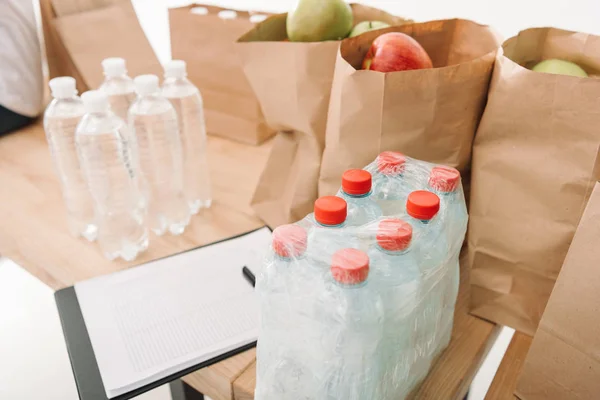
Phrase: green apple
(367,26)
(319,20)
(560,67)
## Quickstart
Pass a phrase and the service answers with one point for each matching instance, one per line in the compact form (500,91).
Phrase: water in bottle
(118,86)
(107,154)
(285,288)
(187,101)
(389,188)
(356,190)
(329,233)
(351,328)
(153,121)
(397,278)
(60,122)
(445,182)
(430,241)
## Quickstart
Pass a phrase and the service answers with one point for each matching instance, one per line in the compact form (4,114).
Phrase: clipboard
(81,354)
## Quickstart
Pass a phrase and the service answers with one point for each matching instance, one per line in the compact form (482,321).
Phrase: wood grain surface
(505,381)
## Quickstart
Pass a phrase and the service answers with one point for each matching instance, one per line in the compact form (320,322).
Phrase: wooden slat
(33,230)
(217,381)
(243,387)
(505,381)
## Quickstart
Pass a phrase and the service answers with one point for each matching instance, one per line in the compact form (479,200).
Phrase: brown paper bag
(563,361)
(206,42)
(534,166)
(292,82)
(78,38)
(428,114)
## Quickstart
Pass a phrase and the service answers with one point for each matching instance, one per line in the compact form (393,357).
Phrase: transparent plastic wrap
(357,299)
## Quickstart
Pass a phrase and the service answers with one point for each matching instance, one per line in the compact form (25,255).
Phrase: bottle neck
(151,96)
(176,79)
(357,196)
(117,76)
(350,285)
(393,252)
(100,114)
(422,222)
(442,193)
(66,98)
(331,226)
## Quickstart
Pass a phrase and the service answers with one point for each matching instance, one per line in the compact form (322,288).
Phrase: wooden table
(33,233)
(505,381)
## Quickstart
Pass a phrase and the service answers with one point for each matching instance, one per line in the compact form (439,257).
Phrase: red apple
(395,51)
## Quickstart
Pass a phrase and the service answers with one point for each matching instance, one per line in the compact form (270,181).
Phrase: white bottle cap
(114,66)
(199,10)
(146,84)
(227,14)
(175,69)
(256,18)
(95,101)
(63,87)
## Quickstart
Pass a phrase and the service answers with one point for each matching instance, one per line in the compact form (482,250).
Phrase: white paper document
(154,320)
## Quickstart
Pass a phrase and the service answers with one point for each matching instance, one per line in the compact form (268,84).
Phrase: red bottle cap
(423,205)
(289,240)
(444,179)
(390,163)
(350,266)
(330,210)
(356,182)
(394,234)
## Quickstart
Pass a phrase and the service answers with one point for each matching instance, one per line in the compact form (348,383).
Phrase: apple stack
(357,299)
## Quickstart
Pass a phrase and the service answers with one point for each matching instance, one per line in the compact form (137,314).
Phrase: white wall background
(508,17)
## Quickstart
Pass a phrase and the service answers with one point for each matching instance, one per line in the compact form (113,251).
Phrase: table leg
(182,391)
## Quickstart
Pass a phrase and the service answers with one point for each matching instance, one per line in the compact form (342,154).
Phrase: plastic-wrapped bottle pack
(357,299)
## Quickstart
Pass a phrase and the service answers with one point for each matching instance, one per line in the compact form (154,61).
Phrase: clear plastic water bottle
(153,121)
(106,153)
(430,241)
(389,188)
(60,122)
(397,278)
(188,104)
(351,330)
(445,182)
(285,288)
(356,190)
(118,86)
(330,232)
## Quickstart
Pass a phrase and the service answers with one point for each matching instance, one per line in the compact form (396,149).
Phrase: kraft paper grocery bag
(563,361)
(534,166)
(204,36)
(292,81)
(80,34)
(429,114)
